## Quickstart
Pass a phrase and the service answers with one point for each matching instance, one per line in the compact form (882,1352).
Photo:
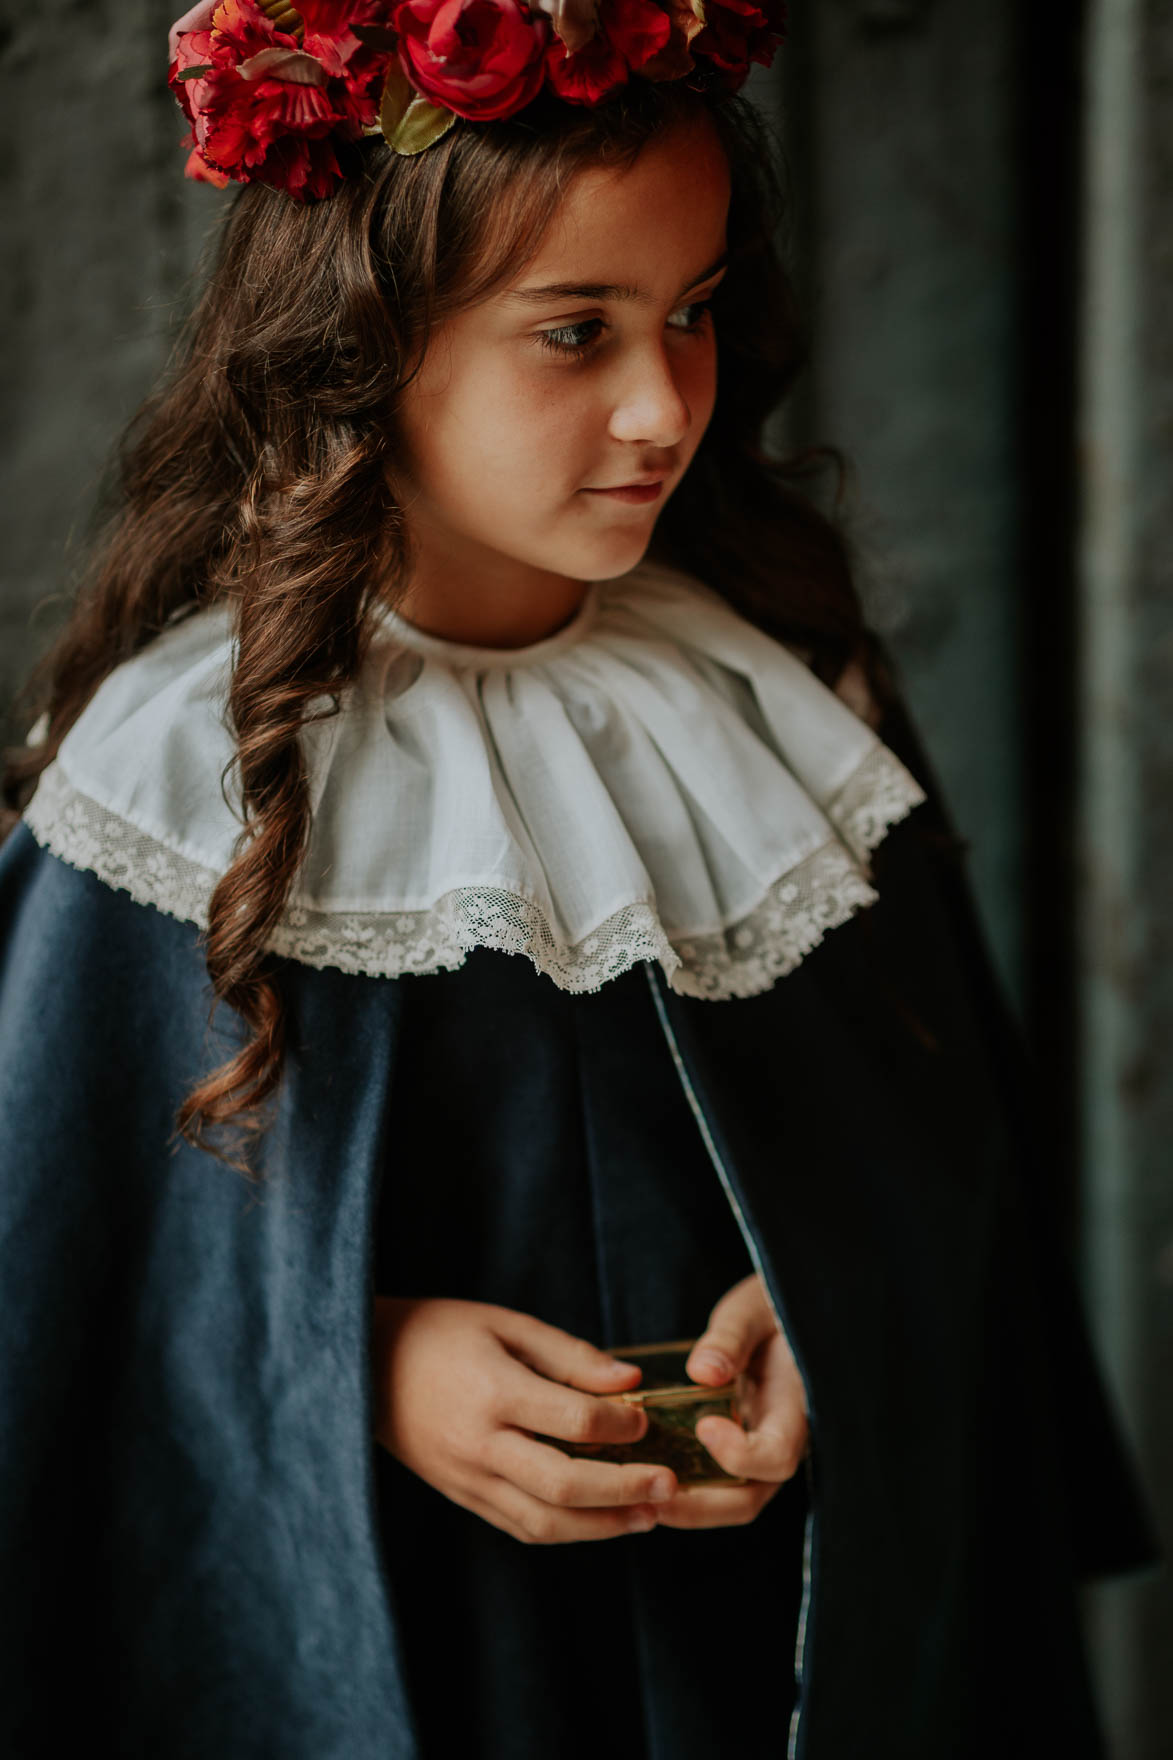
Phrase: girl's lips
(635,493)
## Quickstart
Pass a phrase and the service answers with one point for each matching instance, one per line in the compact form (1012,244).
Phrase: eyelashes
(578,341)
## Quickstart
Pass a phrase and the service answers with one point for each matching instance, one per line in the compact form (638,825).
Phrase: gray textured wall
(100,232)
(982,201)
(901,147)
(985,236)
(1125,827)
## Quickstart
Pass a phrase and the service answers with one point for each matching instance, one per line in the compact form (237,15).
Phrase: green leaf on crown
(397,95)
(421,124)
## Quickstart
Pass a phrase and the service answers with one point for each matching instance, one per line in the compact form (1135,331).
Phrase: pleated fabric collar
(658,780)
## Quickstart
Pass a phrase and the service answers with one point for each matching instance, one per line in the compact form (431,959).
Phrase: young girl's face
(593,367)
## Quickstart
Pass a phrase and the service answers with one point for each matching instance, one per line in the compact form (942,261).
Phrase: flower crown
(270,91)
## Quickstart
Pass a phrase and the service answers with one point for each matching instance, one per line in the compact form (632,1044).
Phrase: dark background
(982,229)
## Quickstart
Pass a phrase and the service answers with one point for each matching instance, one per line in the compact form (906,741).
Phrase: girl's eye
(581,339)
(700,309)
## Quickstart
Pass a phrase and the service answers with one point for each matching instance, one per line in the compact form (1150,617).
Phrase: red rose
(630,33)
(264,106)
(477,58)
(737,32)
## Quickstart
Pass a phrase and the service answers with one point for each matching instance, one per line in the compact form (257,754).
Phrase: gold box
(674,1405)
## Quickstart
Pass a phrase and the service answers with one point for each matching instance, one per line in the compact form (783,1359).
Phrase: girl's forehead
(669,204)
(578,287)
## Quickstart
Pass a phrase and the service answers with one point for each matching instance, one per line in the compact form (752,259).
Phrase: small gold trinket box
(674,1405)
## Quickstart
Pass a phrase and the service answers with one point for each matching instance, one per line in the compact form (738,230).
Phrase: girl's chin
(604,565)
(599,554)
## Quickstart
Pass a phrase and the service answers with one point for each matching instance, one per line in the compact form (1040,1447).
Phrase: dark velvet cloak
(204,1553)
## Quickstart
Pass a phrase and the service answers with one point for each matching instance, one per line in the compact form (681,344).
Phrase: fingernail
(640,1521)
(661,1489)
(710,1359)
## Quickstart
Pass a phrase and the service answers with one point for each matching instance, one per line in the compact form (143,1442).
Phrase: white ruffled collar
(658,779)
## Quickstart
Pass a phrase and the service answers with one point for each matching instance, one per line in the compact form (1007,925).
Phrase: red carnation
(477,58)
(265,106)
(630,33)
(330,36)
(737,32)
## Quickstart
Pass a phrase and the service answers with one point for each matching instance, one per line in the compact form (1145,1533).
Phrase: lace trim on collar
(743,959)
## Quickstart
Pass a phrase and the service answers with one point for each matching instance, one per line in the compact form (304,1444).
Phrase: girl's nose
(650,407)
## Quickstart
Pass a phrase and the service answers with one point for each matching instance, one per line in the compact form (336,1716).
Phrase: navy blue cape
(205,1551)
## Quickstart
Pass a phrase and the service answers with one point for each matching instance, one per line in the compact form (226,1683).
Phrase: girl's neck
(497,615)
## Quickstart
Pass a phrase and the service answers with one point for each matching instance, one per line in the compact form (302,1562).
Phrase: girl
(452,611)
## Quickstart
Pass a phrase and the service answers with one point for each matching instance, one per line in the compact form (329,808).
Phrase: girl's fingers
(737,1325)
(544,1524)
(715,1506)
(560,1356)
(773,1451)
(772,1438)
(559,1479)
(530,1402)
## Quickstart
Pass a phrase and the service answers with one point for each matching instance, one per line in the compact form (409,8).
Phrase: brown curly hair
(257,471)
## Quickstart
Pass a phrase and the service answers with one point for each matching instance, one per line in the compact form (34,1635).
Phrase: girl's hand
(743,1334)
(459,1385)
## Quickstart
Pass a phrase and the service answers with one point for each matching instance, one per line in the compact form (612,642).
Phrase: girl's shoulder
(658,780)
(133,795)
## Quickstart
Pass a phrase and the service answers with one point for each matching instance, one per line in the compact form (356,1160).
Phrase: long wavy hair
(257,470)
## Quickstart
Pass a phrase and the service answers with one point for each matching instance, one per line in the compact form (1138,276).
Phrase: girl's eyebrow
(600,290)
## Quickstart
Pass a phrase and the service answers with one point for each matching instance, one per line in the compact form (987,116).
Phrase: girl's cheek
(700,379)
(564,424)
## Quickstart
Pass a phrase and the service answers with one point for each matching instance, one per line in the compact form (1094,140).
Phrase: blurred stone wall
(100,235)
(1124,831)
(982,229)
